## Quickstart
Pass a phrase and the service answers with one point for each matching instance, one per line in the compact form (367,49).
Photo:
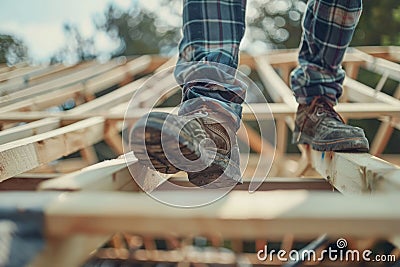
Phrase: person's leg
(212,32)
(328,27)
(211,109)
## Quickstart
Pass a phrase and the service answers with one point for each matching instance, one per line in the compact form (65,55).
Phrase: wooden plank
(357,91)
(28,79)
(117,75)
(253,139)
(356,173)
(29,129)
(43,79)
(105,213)
(61,166)
(387,52)
(109,100)
(25,154)
(57,83)
(276,87)
(16,72)
(352,182)
(379,65)
(360,92)
(22,184)
(394,53)
(384,133)
(106,175)
(88,155)
(4,68)
(58,72)
(288,58)
(109,175)
(268,184)
(279,111)
(68,251)
(113,138)
(151,89)
(50,99)
(88,87)
(113,175)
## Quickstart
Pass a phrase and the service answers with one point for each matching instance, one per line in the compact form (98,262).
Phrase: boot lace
(327,107)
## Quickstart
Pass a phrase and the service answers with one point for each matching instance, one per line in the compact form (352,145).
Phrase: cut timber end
(355,173)
(28,153)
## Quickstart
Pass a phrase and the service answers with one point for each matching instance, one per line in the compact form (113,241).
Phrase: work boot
(205,149)
(320,126)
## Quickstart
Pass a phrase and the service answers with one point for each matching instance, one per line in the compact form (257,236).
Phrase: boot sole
(354,144)
(147,147)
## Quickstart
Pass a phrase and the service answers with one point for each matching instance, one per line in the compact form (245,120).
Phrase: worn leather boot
(320,126)
(205,149)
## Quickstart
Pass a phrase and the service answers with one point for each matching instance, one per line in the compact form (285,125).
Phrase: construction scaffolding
(94,211)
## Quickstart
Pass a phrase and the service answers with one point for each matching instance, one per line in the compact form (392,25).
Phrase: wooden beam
(360,92)
(288,57)
(86,87)
(270,183)
(117,75)
(379,65)
(109,100)
(34,77)
(102,213)
(28,183)
(279,110)
(50,99)
(384,133)
(106,175)
(68,251)
(58,83)
(109,175)
(60,166)
(25,154)
(391,53)
(277,88)
(353,182)
(16,72)
(103,176)
(29,129)
(356,173)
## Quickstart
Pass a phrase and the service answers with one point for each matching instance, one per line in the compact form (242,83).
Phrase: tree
(379,24)
(140,31)
(276,22)
(12,50)
(76,49)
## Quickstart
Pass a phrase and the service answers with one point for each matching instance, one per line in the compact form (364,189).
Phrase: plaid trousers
(213,30)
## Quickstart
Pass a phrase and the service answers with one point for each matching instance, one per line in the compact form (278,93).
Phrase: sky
(39,23)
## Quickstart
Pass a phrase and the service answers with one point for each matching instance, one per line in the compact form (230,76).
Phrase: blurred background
(46,31)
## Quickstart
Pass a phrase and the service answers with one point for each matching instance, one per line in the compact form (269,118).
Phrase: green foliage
(379,23)
(140,31)
(273,23)
(12,50)
(278,22)
(76,49)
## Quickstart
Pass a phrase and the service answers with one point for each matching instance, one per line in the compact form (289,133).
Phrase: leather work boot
(320,126)
(198,145)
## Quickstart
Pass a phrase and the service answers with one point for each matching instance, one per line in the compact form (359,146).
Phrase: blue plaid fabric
(213,30)
(328,28)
